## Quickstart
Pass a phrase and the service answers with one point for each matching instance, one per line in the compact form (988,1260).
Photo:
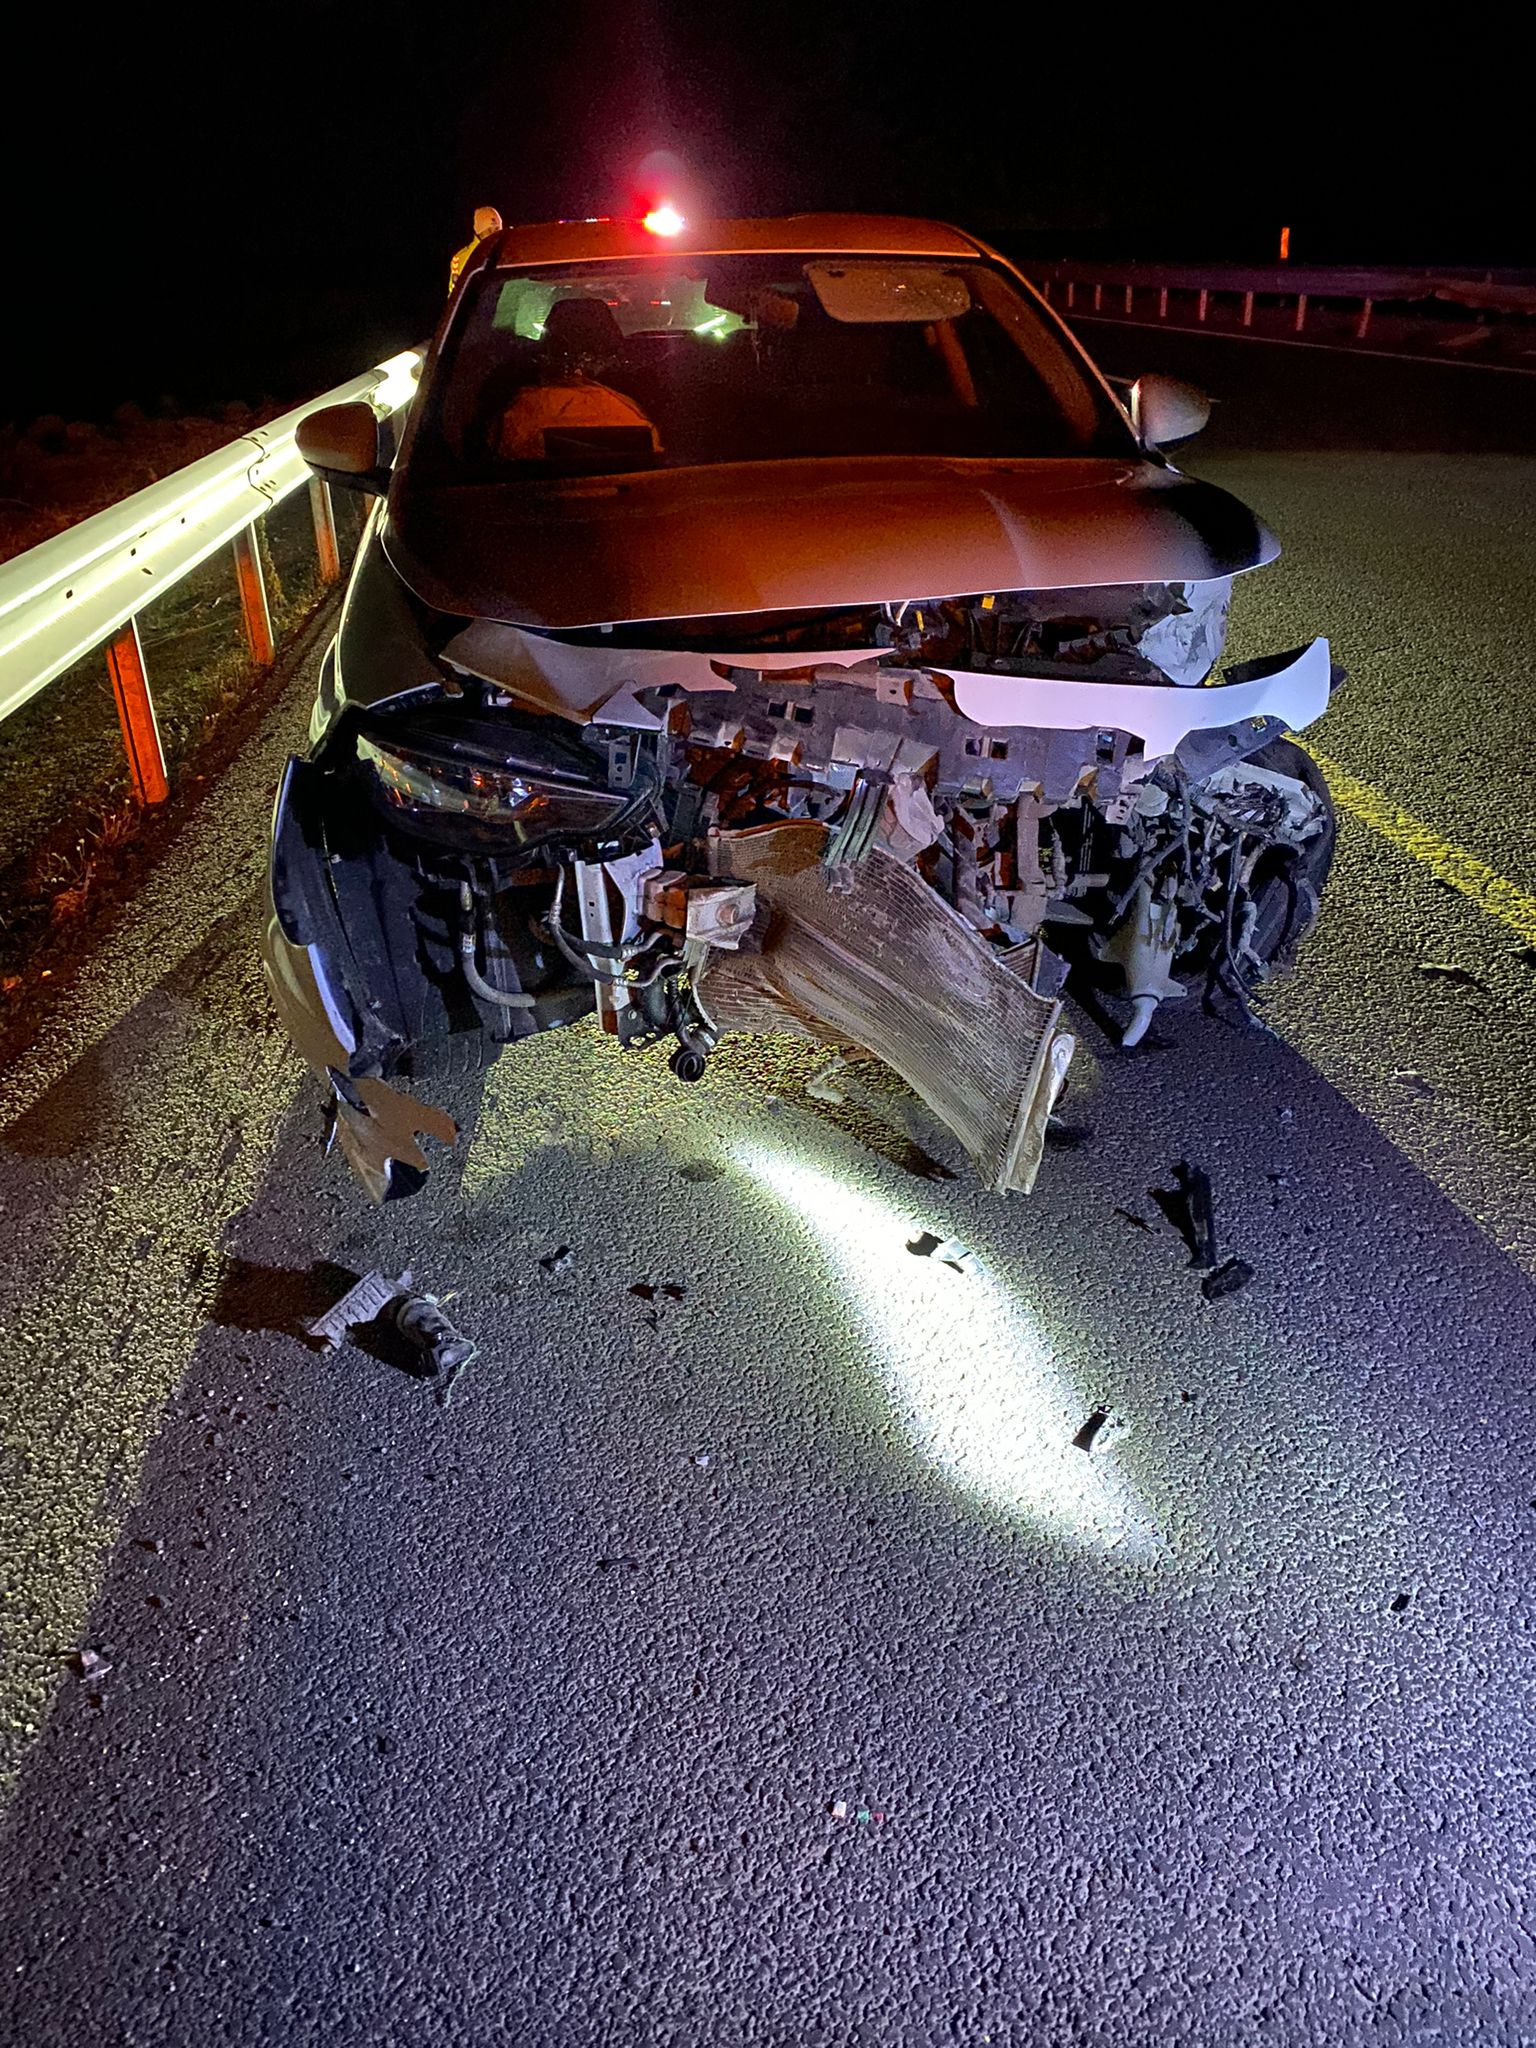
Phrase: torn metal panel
(578,682)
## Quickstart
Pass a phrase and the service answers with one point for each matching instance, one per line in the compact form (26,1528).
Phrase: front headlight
(448,795)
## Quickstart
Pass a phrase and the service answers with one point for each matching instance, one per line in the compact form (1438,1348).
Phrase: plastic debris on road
(419,1318)
(1451,971)
(849,1809)
(948,1250)
(364,1303)
(1087,1436)
(1190,1207)
(1228,1278)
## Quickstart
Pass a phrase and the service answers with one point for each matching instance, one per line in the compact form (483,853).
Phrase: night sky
(258,202)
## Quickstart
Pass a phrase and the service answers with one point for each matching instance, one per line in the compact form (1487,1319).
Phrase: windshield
(677,361)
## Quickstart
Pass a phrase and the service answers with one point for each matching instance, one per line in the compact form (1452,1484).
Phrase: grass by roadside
(61,891)
(55,472)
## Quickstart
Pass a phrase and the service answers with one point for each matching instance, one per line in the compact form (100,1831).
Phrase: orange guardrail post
(254,608)
(136,715)
(324,515)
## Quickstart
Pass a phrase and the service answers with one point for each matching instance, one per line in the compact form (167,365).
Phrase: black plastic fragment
(421,1322)
(1229,1278)
(1191,1209)
(1452,971)
(1083,1441)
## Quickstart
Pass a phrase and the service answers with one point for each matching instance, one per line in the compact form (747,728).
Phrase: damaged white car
(779,626)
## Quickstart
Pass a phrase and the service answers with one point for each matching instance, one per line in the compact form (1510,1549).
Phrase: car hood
(754,537)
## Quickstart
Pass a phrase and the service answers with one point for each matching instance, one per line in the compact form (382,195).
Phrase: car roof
(833,234)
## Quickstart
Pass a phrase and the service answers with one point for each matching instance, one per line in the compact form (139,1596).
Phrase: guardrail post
(1045,290)
(1071,293)
(1364,321)
(1098,297)
(136,715)
(1128,290)
(1162,303)
(1205,300)
(1301,311)
(1247,309)
(324,515)
(254,608)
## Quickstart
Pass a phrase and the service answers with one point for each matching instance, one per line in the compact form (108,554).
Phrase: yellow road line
(1487,888)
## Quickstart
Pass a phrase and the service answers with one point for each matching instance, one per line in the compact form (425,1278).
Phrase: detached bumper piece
(869,955)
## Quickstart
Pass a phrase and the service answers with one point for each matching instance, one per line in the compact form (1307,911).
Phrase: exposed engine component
(834,849)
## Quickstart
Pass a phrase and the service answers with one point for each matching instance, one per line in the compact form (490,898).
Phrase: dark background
(205,207)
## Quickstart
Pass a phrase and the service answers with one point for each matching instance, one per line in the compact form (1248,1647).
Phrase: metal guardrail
(1289,297)
(86,587)
(1512,289)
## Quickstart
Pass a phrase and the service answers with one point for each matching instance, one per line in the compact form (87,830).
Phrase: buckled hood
(754,537)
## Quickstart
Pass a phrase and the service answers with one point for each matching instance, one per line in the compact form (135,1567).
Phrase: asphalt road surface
(767,1664)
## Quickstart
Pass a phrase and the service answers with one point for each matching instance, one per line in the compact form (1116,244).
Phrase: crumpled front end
(898,826)
(330,1002)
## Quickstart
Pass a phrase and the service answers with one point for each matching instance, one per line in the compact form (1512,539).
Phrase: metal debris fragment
(1229,1278)
(90,1664)
(670,1290)
(418,1317)
(557,1260)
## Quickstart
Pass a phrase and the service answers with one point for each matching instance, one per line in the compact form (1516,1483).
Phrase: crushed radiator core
(870,955)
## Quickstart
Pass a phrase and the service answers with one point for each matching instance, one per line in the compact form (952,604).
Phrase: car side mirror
(347,445)
(1164,411)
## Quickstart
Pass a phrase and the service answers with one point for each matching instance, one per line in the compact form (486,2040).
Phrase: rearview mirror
(347,445)
(1164,411)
